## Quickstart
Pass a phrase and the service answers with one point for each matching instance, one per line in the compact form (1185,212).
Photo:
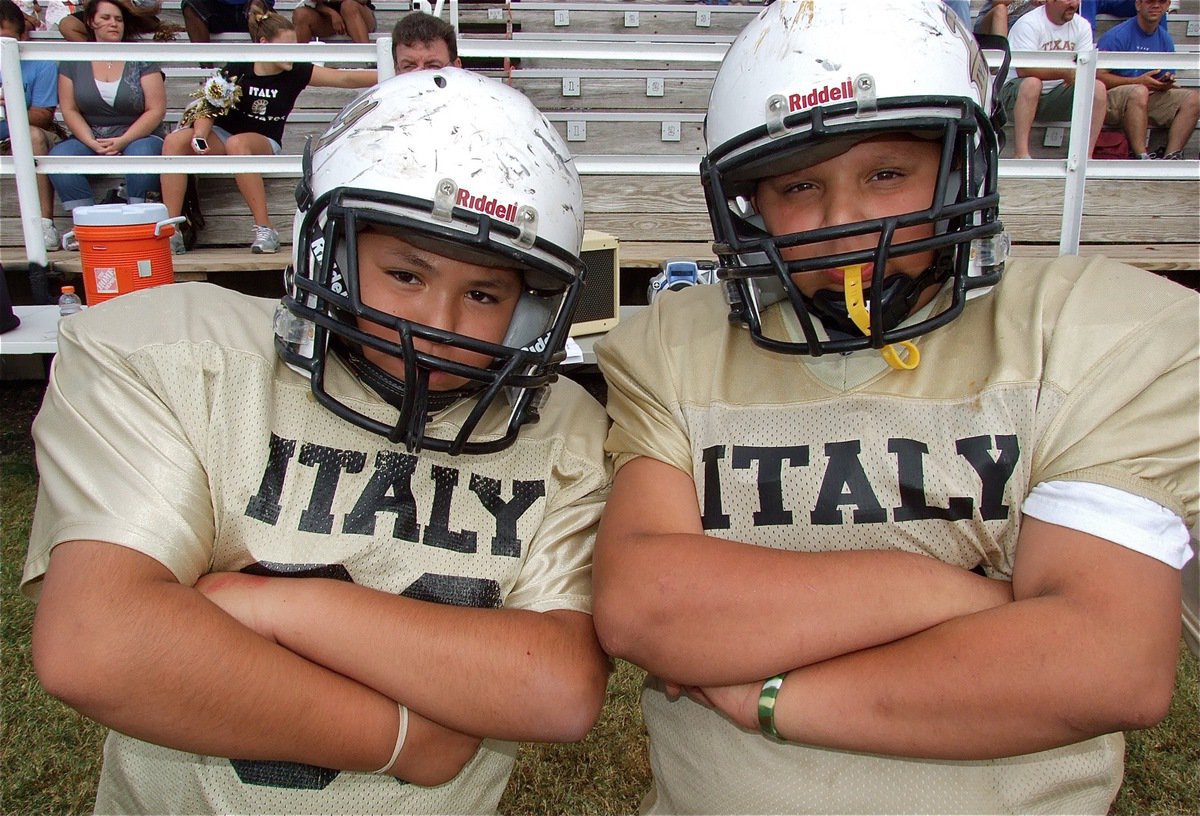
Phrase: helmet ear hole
(532,318)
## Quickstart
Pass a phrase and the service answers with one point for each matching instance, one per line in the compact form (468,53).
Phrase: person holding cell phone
(253,125)
(1139,97)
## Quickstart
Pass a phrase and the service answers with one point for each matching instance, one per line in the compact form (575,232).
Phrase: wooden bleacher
(656,109)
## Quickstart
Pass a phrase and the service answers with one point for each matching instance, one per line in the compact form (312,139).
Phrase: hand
(1156,80)
(335,20)
(738,703)
(243,597)
(109,146)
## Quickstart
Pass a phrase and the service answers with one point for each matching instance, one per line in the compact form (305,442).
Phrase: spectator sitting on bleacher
(998,16)
(39,79)
(111,107)
(203,18)
(141,19)
(329,18)
(1140,97)
(254,125)
(1031,93)
(422,42)
(1114,8)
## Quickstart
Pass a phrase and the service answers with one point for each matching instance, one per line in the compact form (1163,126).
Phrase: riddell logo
(819,96)
(487,206)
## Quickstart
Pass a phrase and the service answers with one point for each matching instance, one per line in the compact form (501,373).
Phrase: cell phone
(199,144)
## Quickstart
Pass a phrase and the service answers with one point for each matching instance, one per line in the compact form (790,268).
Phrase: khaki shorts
(1160,109)
(53,137)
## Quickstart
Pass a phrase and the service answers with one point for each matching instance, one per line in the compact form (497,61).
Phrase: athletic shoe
(178,247)
(50,235)
(266,240)
(1175,156)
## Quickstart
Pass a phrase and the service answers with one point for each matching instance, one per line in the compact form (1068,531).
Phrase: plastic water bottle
(69,302)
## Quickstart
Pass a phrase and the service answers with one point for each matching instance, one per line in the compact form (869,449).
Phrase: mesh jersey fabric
(171,427)
(1070,370)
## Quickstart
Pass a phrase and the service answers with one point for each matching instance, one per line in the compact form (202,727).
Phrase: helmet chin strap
(391,390)
(856,307)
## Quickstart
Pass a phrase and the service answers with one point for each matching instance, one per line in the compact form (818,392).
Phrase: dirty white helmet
(466,167)
(806,81)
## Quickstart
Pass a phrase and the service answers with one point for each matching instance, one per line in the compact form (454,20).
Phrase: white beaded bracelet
(401,735)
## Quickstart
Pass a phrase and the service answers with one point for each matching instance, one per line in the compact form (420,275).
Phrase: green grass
(50,756)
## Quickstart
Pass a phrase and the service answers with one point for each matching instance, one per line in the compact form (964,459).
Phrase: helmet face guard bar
(752,262)
(328,296)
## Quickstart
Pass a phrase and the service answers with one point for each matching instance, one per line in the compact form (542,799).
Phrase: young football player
(337,565)
(917,526)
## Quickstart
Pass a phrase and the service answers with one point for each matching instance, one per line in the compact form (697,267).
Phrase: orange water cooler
(124,247)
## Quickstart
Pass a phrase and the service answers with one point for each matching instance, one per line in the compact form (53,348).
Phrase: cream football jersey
(1069,370)
(171,427)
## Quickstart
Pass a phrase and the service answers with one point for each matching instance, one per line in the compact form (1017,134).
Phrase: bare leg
(1184,122)
(1134,122)
(307,22)
(360,22)
(41,146)
(73,29)
(1099,109)
(251,185)
(1028,95)
(174,185)
(197,29)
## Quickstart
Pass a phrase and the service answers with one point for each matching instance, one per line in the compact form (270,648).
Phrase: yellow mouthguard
(856,305)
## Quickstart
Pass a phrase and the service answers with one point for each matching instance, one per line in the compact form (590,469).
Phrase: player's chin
(441,381)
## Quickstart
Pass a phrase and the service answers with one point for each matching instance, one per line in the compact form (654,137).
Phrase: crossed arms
(888,652)
(305,670)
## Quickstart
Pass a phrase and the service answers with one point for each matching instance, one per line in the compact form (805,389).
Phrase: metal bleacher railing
(1073,170)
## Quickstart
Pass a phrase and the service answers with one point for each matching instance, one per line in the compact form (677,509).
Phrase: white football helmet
(806,81)
(466,167)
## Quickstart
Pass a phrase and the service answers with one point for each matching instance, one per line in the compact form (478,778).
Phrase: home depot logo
(485,205)
(819,96)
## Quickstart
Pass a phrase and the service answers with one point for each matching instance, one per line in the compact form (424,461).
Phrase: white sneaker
(266,240)
(50,235)
(178,247)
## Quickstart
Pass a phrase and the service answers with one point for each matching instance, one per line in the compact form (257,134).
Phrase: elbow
(66,670)
(613,624)
(631,615)
(1148,699)
(1137,697)
(577,697)
(588,701)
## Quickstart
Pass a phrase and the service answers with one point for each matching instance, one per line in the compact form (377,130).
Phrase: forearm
(771,610)
(202,127)
(1048,74)
(157,661)
(456,665)
(41,117)
(1087,648)
(143,126)
(1111,80)
(78,126)
(1004,682)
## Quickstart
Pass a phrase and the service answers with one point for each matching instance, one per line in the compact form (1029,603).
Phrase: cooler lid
(117,215)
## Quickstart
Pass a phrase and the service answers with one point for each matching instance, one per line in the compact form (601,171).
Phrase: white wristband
(401,735)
